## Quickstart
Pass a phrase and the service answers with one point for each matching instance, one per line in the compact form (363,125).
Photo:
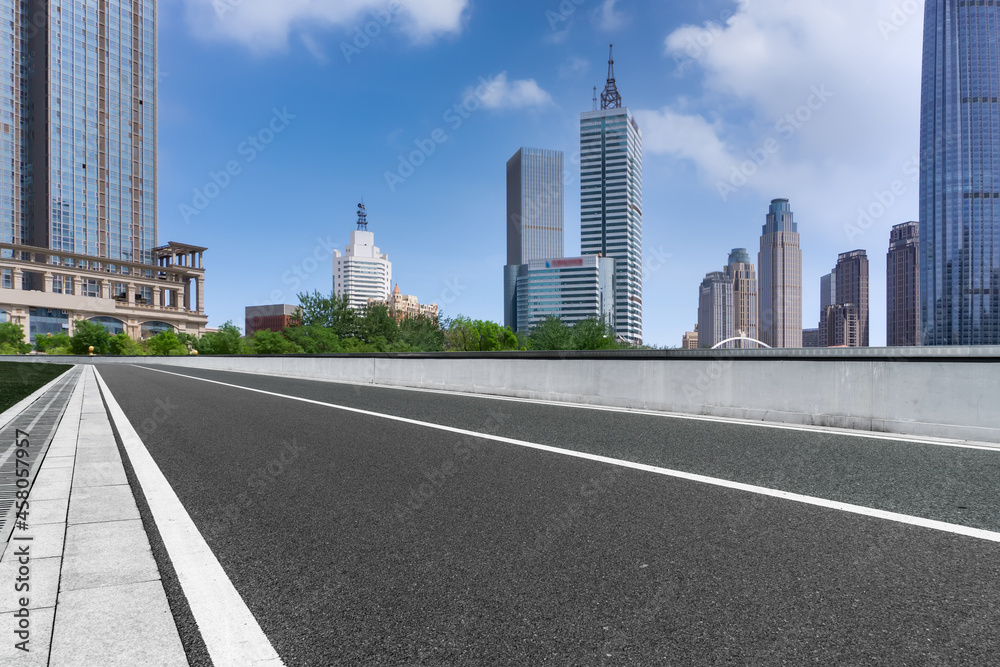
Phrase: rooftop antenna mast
(362,218)
(595,98)
(610,98)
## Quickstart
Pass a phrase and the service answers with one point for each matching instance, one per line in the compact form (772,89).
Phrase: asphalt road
(357,540)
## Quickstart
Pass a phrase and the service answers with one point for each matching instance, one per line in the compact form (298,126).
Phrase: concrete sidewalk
(94,593)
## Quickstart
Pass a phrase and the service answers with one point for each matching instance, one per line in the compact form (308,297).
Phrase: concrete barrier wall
(918,394)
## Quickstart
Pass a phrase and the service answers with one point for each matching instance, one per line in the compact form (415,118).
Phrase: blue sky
(277,118)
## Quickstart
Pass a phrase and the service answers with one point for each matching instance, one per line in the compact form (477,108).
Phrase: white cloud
(835,91)
(608,18)
(314,48)
(573,66)
(499,93)
(265,25)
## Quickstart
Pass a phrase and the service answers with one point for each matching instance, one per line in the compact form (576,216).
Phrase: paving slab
(39,639)
(42,582)
(125,625)
(106,554)
(103,503)
(99,474)
(42,512)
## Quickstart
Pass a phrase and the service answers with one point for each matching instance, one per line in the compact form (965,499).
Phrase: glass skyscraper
(78,216)
(960,174)
(780,293)
(611,201)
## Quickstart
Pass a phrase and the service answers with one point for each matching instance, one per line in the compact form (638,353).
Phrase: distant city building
(362,271)
(570,288)
(960,174)
(402,306)
(780,263)
(903,286)
(268,318)
(690,340)
(827,297)
(852,289)
(740,270)
(715,310)
(843,325)
(535,216)
(611,200)
(810,338)
(78,185)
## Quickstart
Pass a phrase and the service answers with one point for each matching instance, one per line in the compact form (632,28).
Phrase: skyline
(700,108)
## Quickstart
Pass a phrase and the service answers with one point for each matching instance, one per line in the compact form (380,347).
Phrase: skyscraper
(78,151)
(960,174)
(534,216)
(852,290)
(715,310)
(780,262)
(827,297)
(362,271)
(740,271)
(611,200)
(571,288)
(903,286)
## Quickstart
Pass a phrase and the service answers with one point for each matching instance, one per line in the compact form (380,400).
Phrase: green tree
(420,334)
(272,342)
(467,335)
(314,339)
(123,345)
(228,340)
(333,312)
(550,334)
(377,327)
(50,342)
(87,334)
(593,334)
(166,344)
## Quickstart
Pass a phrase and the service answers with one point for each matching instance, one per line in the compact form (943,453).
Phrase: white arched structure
(746,338)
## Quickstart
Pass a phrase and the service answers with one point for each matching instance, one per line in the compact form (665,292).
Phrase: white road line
(231,633)
(774,493)
(784,426)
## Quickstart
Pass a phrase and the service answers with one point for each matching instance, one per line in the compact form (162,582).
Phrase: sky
(276,119)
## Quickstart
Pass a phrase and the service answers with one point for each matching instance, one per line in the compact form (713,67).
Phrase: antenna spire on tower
(595,98)
(610,98)
(362,218)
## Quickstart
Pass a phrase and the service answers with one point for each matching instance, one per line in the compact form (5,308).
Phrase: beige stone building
(402,306)
(139,299)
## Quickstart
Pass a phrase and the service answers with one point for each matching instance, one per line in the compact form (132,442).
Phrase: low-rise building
(690,340)
(276,317)
(402,306)
(571,289)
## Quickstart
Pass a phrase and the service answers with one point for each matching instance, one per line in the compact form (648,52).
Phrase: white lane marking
(828,430)
(714,481)
(231,633)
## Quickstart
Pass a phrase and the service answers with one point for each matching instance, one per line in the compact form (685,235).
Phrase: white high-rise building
(611,201)
(362,272)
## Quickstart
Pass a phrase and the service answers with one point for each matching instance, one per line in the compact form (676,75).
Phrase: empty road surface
(375,526)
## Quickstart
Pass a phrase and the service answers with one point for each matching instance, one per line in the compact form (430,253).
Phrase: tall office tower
(780,262)
(852,289)
(827,297)
(843,325)
(571,288)
(534,217)
(715,310)
(740,271)
(960,174)
(611,200)
(78,150)
(903,286)
(363,271)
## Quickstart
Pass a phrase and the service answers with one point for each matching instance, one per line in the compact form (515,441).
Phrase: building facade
(740,270)
(852,289)
(611,201)
(78,151)
(903,286)
(571,288)
(810,338)
(960,174)
(843,324)
(780,264)
(402,306)
(535,200)
(716,321)
(362,271)
(690,339)
(275,317)
(827,297)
